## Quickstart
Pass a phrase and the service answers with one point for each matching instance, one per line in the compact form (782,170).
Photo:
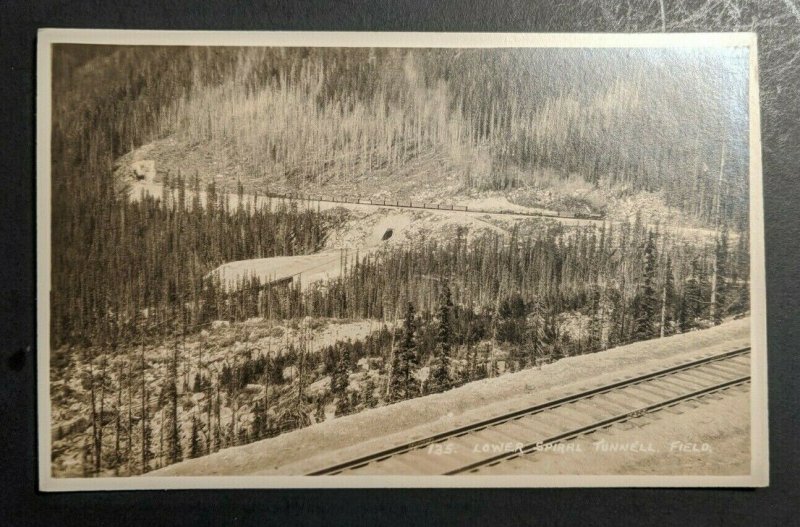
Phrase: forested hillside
(134,312)
(348,120)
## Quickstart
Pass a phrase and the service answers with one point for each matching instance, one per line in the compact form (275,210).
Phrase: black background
(778,25)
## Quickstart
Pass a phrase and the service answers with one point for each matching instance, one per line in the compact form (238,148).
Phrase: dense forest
(451,315)
(381,106)
(143,273)
(131,280)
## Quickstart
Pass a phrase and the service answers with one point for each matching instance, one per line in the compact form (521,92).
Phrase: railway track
(419,205)
(523,432)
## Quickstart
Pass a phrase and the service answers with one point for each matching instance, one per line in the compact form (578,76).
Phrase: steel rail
(538,408)
(572,434)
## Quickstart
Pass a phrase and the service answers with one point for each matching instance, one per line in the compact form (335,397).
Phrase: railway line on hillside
(487,443)
(155,189)
(421,205)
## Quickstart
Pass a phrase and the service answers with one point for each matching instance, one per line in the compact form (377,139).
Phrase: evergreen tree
(369,394)
(195,447)
(256,421)
(147,431)
(340,382)
(719,283)
(646,303)
(667,299)
(174,447)
(705,287)
(319,413)
(197,386)
(440,378)
(343,406)
(739,296)
(597,320)
(218,417)
(403,384)
(691,302)
(551,337)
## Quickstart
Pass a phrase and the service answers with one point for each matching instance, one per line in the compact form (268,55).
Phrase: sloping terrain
(219,345)
(424,181)
(346,438)
(450,126)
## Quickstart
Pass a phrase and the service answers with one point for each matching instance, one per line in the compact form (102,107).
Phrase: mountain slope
(422,124)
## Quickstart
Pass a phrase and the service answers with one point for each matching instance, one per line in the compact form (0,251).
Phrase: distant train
(423,205)
(581,215)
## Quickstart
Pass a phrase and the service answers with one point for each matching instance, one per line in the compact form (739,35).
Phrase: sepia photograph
(399,259)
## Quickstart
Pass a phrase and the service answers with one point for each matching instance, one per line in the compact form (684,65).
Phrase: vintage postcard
(399,259)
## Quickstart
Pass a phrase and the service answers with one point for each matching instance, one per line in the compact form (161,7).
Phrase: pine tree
(691,302)
(257,426)
(319,413)
(218,417)
(340,382)
(667,299)
(147,431)
(343,406)
(195,447)
(718,280)
(645,303)
(551,337)
(117,460)
(403,384)
(369,394)
(440,378)
(705,286)
(597,316)
(482,367)
(174,448)
(740,275)
(197,385)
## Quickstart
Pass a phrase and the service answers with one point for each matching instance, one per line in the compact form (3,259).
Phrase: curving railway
(397,204)
(488,443)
